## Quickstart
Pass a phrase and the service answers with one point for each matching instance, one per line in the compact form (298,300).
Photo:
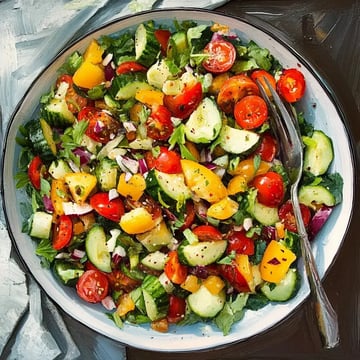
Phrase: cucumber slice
(173,185)
(265,215)
(204,123)
(177,45)
(201,253)
(283,291)
(158,73)
(155,260)
(106,173)
(319,153)
(96,249)
(206,304)
(41,225)
(238,141)
(313,195)
(146,45)
(58,168)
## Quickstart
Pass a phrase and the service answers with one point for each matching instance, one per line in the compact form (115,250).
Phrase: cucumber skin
(146,45)
(310,195)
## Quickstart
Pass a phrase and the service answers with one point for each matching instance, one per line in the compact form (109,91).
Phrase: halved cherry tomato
(102,126)
(119,281)
(259,75)
(240,243)
(177,307)
(189,216)
(234,89)
(268,147)
(250,112)
(63,231)
(291,85)
(270,188)
(174,270)
(130,66)
(147,202)
(159,125)
(162,36)
(207,233)
(232,274)
(222,55)
(92,286)
(287,217)
(34,171)
(168,161)
(109,209)
(183,104)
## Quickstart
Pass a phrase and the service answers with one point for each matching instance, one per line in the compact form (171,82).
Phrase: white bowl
(318,107)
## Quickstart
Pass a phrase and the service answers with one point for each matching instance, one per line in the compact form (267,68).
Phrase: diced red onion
(73,166)
(109,72)
(189,69)
(247,224)
(268,233)
(71,208)
(219,171)
(48,204)
(98,127)
(216,36)
(107,60)
(143,168)
(129,126)
(78,254)
(318,220)
(62,255)
(113,194)
(108,303)
(83,155)
(205,156)
(127,164)
(201,209)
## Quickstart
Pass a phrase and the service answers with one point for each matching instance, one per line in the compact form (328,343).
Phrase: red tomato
(207,233)
(175,271)
(63,231)
(34,172)
(222,55)
(270,188)
(118,281)
(92,286)
(291,85)
(168,161)
(102,126)
(130,66)
(159,125)
(232,274)
(268,147)
(250,112)
(189,215)
(259,75)
(240,243)
(109,209)
(183,104)
(177,307)
(147,202)
(287,217)
(162,36)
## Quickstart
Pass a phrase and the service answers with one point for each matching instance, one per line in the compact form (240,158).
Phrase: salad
(154,181)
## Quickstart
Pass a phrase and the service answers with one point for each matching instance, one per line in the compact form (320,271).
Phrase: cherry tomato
(119,281)
(183,104)
(177,307)
(130,66)
(270,188)
(287,217)
(102,126)
(92,286)
(259,75)
(221,58)
(147,202)
(34,171)
(291,85)
(250,112)
(232,274)
(162,36)
(240,243)
(159,125)
(63,231)
(234,89)
(174,270)
(189,215)
(168,161)
(268,147)
(109,209)
(207,233)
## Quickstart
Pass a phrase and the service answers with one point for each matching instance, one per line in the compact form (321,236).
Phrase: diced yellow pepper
(248,170)
(89,75)
(223,209)
(237,184)
(58,194)
(214,284)
(244,266)
(193,150)
(132,188)
(276,261)
(203,182)
(93,53)
(279,230)
(150,97)
(137,221)
(80,184)
(192,283)
(126,304)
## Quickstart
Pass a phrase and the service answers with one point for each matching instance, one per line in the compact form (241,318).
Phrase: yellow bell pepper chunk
(237,184)
(133,188)
(80,184)
(137,221)
(214,284)
(192,283)
(150,97)
(248,170)
(93,53)
(89,75)
(126,304)
(276,262)
(223,209)
(203,182)
(58,194)
(245,268)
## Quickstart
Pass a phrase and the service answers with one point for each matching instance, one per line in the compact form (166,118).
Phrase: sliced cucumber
(41,225)
(155,260)
(201,253)
(238,141)
(68,271)
(204,123)
(265,215)
(283,291)
(313,195)
(319,153)
(205,304)
(58,168)
(158,73)
(173,185)
(57,113)
(177,45)
(146,45)
(106,173)
(96,249)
